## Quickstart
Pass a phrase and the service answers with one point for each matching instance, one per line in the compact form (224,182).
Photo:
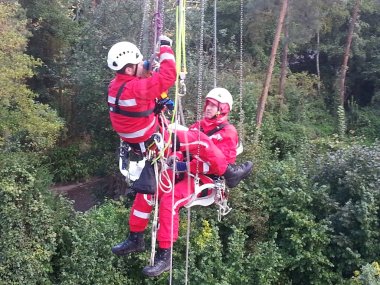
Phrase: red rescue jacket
(226,139)
(139,95)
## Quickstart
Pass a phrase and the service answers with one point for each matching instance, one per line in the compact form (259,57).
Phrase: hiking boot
(161,263)
(235,173)
(134,243)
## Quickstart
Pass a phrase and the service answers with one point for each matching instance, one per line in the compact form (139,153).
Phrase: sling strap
(116,108)
(216,129)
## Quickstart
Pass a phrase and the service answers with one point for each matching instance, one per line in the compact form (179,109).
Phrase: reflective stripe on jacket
(139,95)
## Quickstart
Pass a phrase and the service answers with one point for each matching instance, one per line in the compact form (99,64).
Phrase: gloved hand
(168,103)
(165,41)
(171,160)
(181,166)
(162,103)
(147,65)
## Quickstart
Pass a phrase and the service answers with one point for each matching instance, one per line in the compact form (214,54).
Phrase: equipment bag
(146,184)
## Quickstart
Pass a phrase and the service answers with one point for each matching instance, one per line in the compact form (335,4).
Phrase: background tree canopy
(310,212)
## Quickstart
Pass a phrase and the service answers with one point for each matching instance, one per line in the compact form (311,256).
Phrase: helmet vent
(123,53)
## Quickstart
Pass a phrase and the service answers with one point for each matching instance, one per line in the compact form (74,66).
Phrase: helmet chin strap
(136,65)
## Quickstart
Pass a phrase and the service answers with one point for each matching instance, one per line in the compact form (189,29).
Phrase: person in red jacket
(132,95)
(215,123)
(224,136)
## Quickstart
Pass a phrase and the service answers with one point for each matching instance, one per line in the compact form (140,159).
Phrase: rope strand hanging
(241,111)
(146,8)
(215,43)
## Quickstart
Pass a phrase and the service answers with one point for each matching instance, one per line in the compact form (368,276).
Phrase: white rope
(155,218)
(199,110)
(180,91)
(215,42)
(241,111)
(164,176)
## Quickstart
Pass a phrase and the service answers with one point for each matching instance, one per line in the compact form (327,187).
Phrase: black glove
(162,103)
(165,41)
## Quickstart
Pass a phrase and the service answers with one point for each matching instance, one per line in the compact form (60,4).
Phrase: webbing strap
(216,129)
(119,94)
(116,108)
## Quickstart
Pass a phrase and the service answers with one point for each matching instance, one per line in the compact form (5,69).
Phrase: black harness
(214,130)
(116,109)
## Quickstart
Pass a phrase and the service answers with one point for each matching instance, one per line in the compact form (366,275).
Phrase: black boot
(235,173)
(134,243)
(161,263)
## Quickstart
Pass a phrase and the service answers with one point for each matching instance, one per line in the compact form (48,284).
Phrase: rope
(199,109)
(180,90)
(241,111)
(158,24)
(215,42)
(200,71)
(142,46)
(155,219)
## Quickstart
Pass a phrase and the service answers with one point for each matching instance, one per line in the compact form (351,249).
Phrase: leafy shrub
(30,219)
(84,248)
(67,165)
(74,162)
(364,122)
(369,275)
(347,184)
(301,239)
(210,260)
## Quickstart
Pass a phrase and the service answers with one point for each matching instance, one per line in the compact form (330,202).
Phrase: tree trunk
(346,55)
(264,93)
(284,67)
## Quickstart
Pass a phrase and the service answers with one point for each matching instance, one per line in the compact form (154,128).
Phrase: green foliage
(24,123)
(75,162)
(84,248)
(348,184)
(30,220)
(369,275)
(67,165)
(364,121)
(211,261)
(300,119)
(54,29)
(268,264)
(301,238)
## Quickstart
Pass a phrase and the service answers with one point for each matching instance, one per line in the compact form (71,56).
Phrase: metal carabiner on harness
(221,198)
(182,85)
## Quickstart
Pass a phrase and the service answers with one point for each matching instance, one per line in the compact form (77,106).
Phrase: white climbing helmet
(223,97)
(123,53)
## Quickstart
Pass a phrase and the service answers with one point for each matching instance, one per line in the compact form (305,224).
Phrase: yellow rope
(180,53)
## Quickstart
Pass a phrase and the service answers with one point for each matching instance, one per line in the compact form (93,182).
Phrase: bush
(73,163)
(301,240)
(84,249)
(347,195)
(30,219)
(67,165)
(369,275)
